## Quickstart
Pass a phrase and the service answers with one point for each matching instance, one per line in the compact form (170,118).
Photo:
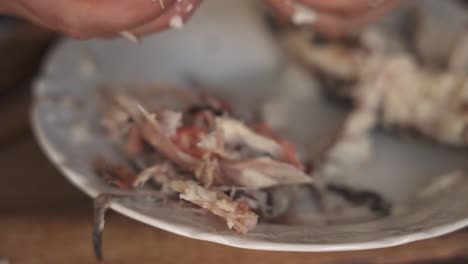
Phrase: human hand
(333,18)
(85,19)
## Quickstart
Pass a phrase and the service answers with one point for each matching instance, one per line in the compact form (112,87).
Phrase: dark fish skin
(374,201)
(205,107)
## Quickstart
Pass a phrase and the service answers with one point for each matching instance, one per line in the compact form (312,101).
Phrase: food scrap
(197,151)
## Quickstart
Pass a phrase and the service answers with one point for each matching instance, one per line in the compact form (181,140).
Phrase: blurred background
(44,219)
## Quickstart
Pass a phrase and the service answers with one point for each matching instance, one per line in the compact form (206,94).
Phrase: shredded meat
(198,151)
(154,134)
(236,213)
(263,172)
(236,133)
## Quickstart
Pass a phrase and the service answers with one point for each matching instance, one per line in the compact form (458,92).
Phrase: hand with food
(333,18)
(85,19)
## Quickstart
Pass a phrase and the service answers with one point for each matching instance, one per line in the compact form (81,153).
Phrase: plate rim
(74,177)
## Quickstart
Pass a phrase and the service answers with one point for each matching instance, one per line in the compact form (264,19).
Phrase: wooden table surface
(44,219)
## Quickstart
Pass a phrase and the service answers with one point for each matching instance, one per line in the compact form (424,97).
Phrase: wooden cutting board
(64,237)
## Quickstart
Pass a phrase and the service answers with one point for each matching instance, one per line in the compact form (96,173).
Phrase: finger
(283,8)
(338,7)
(292,11)
(377,12)
(326,23)
(175,17)
(343,7)
(102,17)
(89,18)
(338,26)
(334,26)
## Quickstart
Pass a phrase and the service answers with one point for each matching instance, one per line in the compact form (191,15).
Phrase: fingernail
(189,8)
(176,22)
(128,35)
(303,15)
(161,3)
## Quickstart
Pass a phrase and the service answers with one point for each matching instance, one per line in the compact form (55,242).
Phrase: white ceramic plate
(226,44)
